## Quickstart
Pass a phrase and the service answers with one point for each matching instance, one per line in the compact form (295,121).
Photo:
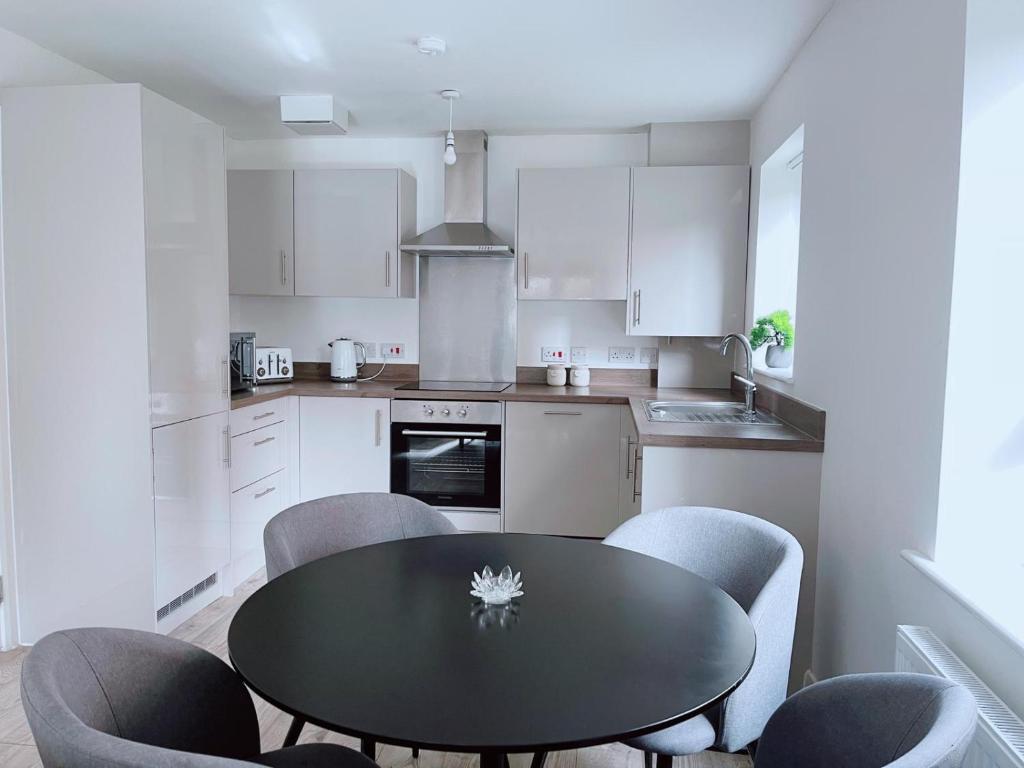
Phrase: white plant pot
(778,357)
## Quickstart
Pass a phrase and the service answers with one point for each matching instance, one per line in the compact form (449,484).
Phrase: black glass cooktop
(458,386)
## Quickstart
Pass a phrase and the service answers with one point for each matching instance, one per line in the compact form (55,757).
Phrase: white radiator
(999,740)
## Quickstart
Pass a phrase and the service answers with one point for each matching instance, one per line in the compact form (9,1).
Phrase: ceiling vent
(313,115)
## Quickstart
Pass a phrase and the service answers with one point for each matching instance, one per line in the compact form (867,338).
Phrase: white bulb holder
(430,45)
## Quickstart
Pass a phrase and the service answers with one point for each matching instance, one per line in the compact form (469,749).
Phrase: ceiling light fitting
(449,143)
(431,46)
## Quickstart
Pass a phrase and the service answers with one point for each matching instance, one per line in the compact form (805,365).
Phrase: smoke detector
(431,46)
(313,115)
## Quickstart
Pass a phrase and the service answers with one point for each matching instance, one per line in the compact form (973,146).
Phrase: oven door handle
(440,433)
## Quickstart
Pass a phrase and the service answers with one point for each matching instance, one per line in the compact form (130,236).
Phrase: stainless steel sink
(715,412)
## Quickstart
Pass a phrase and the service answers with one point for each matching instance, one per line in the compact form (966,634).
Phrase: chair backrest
(101,697)
(333,524)
(759,565)
(870,721)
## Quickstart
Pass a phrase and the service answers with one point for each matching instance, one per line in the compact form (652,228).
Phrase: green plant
(774,329)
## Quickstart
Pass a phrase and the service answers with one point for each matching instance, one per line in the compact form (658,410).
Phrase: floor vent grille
(185,596)
(999,741)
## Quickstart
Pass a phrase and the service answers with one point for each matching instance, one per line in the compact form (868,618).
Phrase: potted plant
(775,330)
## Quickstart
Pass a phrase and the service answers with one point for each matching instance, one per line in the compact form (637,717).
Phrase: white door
(186,261)
(561,464)
(193,518)
(346,233)
(260,233)
(630,466)
(573,233)
(688,253)
(344,446)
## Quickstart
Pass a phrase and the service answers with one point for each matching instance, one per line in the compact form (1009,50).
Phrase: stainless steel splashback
(467,319)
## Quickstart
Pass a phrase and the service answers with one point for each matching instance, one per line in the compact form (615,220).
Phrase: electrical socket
(371,349)
(621,354)
(392,350)
(648,355)
(578,355)
(553,355)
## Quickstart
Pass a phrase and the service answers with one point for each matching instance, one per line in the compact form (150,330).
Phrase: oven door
(448,465)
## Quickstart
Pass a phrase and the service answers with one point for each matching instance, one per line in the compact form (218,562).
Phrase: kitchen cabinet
(572,233)
(349,225)
(688,250)
(630,466)
(193,522)
(344,446)
(259,453)
(114,232)
(562,468)
(186,261)
(252,507)
(261,236)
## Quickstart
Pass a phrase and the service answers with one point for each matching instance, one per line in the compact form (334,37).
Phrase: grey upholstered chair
(322,527)
(758,564)
(871,721)
(97,698)
(333,524)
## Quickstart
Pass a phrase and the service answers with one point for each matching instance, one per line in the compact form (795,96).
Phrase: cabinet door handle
(636,307)
(563,413)
(225,373)
(630,442)
(261,494)
(637,460)
(284,268)
(376,428)
(264,441)
(227,447)
(387,269)
(266,415)
(526,271)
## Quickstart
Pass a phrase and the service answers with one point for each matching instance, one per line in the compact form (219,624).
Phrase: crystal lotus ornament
(496,590)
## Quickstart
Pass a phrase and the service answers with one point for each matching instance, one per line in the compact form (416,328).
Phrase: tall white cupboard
(115,283)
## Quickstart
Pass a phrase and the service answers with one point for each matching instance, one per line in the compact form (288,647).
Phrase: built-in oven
(447,453)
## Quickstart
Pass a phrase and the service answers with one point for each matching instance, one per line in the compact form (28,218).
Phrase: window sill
(779,374)
(1014,635)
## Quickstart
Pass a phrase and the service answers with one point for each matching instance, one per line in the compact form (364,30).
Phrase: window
(778,253)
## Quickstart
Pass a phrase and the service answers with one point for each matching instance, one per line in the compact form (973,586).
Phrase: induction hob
(457,386)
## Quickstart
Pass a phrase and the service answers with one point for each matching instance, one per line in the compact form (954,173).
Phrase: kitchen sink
(715,412)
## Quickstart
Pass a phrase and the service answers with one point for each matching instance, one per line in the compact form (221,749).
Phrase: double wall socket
(554,355)
(393,350)
(621,354)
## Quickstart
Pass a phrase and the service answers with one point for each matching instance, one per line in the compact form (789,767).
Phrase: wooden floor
(209,629)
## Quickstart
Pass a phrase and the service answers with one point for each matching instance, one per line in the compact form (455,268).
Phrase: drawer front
(255,416)
(251,510)
(259,453)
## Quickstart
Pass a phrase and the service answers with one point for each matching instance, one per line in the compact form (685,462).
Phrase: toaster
(273,364)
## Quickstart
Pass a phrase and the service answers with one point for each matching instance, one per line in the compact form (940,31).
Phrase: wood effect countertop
(660,434)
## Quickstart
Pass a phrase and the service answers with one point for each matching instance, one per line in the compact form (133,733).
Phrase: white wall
(23,63)
(878,87)
(711,143)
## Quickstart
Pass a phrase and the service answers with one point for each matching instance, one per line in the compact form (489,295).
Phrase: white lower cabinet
(344,446)
(251,510)
(630,466)
(190,479)
(259,453)
(562,469)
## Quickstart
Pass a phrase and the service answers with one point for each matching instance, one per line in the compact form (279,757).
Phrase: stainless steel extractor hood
(465,207)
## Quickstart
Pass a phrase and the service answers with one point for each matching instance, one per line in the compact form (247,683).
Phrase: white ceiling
(523,66)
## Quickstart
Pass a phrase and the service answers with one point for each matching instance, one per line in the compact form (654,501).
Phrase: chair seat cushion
(688,738)
(314,756)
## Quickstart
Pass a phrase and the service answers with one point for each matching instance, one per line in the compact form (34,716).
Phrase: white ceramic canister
(579,376)
(556,375)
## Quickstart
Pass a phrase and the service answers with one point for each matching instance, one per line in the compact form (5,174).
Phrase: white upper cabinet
(186,261)
(572,236)
(349,225)
(688,250)
(260,233)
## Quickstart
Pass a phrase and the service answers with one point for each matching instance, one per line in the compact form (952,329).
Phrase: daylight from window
(778,254)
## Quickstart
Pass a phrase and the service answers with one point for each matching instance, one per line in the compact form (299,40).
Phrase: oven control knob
(445,412)
(463,413)
(428,410)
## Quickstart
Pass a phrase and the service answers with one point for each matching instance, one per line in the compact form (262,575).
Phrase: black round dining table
(385,643)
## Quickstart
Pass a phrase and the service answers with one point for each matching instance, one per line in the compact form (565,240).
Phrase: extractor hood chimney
(465,207)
